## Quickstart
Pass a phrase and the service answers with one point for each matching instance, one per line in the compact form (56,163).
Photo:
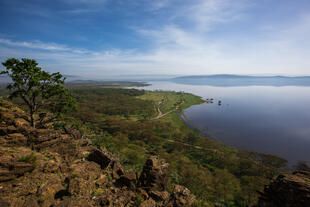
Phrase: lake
(267,119)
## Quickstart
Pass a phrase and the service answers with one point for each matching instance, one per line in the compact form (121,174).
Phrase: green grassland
(168,100)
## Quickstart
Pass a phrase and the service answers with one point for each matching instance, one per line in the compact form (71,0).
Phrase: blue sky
(109,38)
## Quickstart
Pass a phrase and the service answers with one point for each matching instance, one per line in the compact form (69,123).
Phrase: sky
(119,38)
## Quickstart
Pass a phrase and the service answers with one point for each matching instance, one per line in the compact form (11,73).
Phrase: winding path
(160,113)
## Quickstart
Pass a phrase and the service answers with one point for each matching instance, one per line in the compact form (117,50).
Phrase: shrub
(30,158)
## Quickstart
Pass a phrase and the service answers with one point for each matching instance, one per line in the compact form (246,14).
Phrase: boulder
(116,169)
(73,132)
(106,161)
(181,197)
(82,181)
(287,190)
(31,202)
(15,139)
(73,202)
(100,157)
(50,166)
(10,165)
(154,175)
(115,197)
(22,125)
(79,187)
(52,142)
(43,135)
(159,196)
(6,116)
(51,190)
(148,203)
(4,130)
(129,180)
(17,202)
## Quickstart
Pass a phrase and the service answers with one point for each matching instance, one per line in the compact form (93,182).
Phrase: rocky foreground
(58,168)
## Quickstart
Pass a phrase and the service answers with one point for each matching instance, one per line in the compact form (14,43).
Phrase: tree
(39,90)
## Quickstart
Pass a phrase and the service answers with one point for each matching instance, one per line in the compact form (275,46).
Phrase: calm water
(274,120)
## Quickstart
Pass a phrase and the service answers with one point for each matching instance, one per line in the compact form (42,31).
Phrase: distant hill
(96,83)
(243,80)
(5,79)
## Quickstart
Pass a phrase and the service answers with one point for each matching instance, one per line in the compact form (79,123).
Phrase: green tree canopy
(39,90)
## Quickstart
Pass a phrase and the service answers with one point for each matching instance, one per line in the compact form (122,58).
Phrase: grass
(170,100)
(31,158)
(99,191)
(173,102)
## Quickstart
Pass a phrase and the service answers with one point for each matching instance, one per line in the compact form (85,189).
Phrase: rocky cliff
(58,168)
(287,190)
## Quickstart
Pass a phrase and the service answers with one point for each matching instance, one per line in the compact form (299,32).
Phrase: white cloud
(204,14)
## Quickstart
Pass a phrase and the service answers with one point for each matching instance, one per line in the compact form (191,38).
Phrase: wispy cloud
(41,45)
(80,11)
(208,12)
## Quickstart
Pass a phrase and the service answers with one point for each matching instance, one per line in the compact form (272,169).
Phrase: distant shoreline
(239,80)
(195,129)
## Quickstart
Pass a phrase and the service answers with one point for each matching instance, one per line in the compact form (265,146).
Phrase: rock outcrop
(181,196)
(287,190)
(154,175)
(60,168)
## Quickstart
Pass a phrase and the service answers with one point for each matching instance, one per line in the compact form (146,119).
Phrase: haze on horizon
(110,38)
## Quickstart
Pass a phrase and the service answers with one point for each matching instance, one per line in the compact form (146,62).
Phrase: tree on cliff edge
(39,90)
